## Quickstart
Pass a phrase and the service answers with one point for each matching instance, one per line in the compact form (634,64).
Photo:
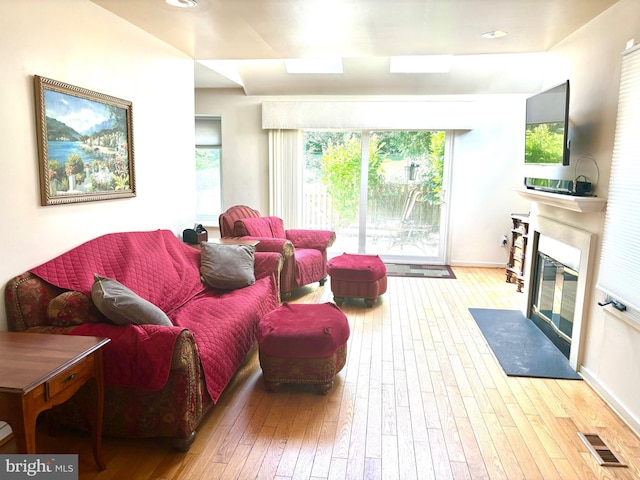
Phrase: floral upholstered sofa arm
(33,306)
(27,299)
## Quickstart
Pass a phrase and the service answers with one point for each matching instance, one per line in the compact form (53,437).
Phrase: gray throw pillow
(123,306)
(227,266)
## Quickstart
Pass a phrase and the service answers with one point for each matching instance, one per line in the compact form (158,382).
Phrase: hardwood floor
(421,396)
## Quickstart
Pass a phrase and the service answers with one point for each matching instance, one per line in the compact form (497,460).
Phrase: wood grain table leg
(97,386)
(14,409)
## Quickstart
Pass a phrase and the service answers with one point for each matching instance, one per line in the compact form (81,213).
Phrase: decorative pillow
(72,308)
(277,227)
(269,227)
(227,266)
(122,306)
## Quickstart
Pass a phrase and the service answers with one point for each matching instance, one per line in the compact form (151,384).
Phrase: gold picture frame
(85,144)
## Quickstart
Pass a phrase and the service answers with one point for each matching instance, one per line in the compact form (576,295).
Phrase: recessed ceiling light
(420,64)
(182,3)
(313,65)
(494,34)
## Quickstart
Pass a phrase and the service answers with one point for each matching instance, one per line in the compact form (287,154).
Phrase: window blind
(285,175)
(208,132)
(619,275)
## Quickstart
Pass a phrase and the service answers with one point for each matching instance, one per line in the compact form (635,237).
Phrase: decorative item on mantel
(580,192)
(583,184)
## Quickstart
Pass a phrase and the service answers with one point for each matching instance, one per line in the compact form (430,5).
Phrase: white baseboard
(631,420)
(502,265)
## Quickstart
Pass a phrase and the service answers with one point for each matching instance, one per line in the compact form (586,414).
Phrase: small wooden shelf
(518,249)
(568,202)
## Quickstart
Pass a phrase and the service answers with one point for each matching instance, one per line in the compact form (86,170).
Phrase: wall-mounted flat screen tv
(547,127)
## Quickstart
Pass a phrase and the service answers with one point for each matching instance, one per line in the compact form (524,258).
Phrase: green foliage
(207,158)
(63,184)
(56,130)
(432,178)
(341,175)
(120,167)
(424,149)
(119,117)
(120,182)
(406,144)
(316,142)
(55,170)
(334,157)
(74,164)
(97,186)
(544,143)
(80,178)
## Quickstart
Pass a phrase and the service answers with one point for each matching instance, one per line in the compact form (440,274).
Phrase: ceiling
(254,36)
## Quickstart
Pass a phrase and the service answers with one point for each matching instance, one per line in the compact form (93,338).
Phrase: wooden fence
(388,204)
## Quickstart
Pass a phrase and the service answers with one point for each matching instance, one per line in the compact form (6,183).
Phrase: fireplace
(554,286)
(559,273)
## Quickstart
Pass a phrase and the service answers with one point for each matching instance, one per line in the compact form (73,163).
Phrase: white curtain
(286,175)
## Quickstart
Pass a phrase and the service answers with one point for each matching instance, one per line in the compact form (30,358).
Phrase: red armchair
(304,252)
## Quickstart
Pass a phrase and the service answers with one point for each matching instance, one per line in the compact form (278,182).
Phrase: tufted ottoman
(362,276)
(303,343)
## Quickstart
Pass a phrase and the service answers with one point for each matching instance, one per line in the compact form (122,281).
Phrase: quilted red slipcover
(303,331)
(304,251)
(160,268)
(356,268)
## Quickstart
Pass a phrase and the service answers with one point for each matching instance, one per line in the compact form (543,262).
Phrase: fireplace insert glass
(554,300)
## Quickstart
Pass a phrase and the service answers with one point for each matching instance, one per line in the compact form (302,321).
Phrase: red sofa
(159,380)
(304,251)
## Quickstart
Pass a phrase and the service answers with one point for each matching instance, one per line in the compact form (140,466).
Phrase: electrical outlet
(504,241)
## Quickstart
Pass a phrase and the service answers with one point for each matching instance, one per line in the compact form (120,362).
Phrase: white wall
(486,166)
(592,61)
(77,42)
(245,159)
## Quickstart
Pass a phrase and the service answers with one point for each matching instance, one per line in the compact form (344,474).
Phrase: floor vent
(597,447)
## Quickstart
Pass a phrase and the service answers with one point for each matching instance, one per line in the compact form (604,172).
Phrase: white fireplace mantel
(568,202)
(584,242)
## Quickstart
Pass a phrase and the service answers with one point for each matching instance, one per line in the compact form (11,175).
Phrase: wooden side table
(38,371)
(230,241)
(234,241)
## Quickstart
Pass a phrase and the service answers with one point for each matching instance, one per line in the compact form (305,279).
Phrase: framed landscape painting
(85,144)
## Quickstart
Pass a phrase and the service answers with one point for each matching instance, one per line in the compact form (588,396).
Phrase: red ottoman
(303,343)
(361,276)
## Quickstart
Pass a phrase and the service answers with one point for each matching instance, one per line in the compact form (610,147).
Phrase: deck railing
(318,212)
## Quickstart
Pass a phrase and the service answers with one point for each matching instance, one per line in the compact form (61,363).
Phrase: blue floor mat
(521,347)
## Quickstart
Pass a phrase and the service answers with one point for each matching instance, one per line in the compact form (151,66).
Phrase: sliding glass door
(382,192)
